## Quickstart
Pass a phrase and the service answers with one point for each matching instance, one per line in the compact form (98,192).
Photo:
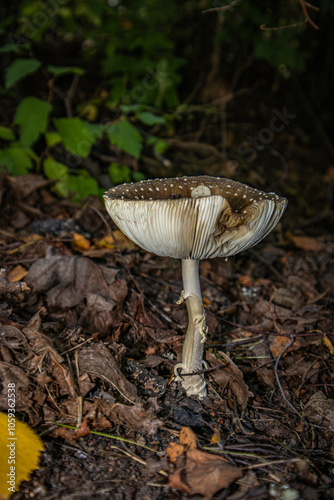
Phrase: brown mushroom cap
(194,217)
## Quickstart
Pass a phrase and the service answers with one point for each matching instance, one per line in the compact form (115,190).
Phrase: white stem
(193,347)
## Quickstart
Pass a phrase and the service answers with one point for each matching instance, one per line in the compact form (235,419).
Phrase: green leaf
(160,146)
(77,135)
(79,186)
(7,48)
(119,173)
(32,115)
(19,69)
(15,159)
(52,138)
(151,119)
(6,134)
(62,70)
(54,170)
(59,172)
(138,176)
(82,186)
(125,137)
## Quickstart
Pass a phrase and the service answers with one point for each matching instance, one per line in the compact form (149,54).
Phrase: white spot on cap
(200,191)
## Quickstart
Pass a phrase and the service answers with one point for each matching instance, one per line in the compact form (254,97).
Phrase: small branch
(264,27)
(234,3)
(278,380)
(308,20)
(307,17)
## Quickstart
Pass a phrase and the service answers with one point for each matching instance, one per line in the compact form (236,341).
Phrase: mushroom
(193,218)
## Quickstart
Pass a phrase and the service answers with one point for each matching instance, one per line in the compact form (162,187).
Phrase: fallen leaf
(216,437)
(197,471)
(230,376)
(16,274)
(77,281)
(98,361)
(245,281)
(20,449)
(79,242)
(278,344)
(306,243)
(328,343)
(320,411)
(116,240)
(188,438)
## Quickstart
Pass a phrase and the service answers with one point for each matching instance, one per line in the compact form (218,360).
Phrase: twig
(278,380)
(234,3)
(308,20)
(264,27)
(307,17)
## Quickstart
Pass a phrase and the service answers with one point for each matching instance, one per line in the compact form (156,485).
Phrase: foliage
(20,450)
(96,75)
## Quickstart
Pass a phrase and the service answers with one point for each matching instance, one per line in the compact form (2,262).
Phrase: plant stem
(193,347)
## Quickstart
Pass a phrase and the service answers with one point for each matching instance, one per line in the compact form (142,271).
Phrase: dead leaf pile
(94,291)
(197,471)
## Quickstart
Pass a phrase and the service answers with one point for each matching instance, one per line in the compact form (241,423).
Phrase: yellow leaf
(79,242)
(106,242)
(117,240)
(328,343)
(16,274)
(216,437)
(20,450)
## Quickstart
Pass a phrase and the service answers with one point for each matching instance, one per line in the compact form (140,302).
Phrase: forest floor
(90,333)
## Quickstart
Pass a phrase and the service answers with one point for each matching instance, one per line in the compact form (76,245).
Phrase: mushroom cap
(194,217)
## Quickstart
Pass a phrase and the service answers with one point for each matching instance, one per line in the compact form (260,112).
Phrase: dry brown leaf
(188,438)
(278,344)
(229,375)
(16,274)
(77,281)
(134,417)
(245,280)
(306,243)
(97,360)
(197,471)
(320,411)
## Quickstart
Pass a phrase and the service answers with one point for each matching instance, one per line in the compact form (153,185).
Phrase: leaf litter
(90,333)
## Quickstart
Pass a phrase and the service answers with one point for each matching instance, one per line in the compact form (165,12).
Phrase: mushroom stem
(193,347)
